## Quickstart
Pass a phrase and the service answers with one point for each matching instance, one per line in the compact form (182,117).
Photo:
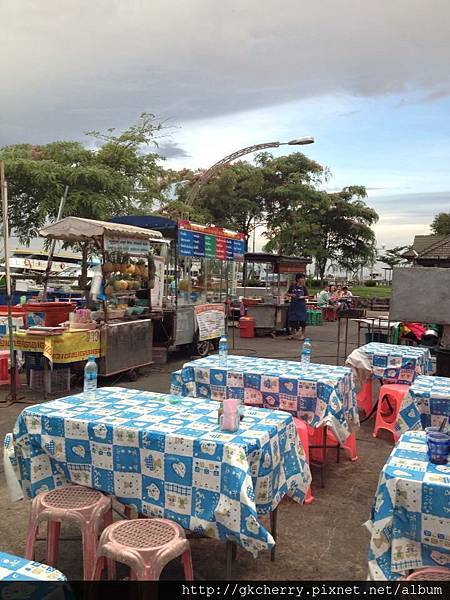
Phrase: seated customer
(323,297)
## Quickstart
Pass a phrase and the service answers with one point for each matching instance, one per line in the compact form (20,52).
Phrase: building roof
(423,243)
(440,249)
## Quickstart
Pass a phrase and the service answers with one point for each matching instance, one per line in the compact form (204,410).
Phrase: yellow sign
(72,346)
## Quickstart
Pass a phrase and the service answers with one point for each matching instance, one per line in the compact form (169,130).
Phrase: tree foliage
(120,176)
(304,220)
(393,257)
(441,224)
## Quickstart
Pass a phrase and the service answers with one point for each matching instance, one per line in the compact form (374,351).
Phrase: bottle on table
(229,420)
(306,352)
(90,379)
(223,351)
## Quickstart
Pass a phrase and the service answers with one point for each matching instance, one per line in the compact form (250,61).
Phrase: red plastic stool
(430,574)
(364,398)
(302,432)
(317,438)
(146,546)
(389,403)
(4,367)
(85,507)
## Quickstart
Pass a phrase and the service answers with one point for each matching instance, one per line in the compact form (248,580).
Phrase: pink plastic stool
(4,367)
(364,398)
(430,574)
(146,546)
(302,432)
(389,403)
(83,506)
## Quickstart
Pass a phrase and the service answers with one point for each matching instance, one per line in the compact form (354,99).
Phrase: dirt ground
(324,540)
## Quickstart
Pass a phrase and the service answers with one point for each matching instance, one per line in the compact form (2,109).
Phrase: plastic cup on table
(431,430)
(438,447)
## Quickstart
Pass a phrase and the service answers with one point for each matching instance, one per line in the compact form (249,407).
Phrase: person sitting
(346,297)
(323,297)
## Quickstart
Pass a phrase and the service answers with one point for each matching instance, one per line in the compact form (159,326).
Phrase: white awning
(76,229)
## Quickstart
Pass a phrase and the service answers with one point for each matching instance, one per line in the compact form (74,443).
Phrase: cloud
(70,66)
(172,150)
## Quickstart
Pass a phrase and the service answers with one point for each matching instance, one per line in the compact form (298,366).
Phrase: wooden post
(4,197)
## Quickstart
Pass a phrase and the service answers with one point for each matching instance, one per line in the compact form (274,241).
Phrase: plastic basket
(34,360)
(52,382)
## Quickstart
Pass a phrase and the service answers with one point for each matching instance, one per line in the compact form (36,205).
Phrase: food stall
(125,296)
(270,309)
(201,277)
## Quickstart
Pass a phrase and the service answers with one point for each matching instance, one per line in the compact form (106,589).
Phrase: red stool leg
(110,563)
(186,559)
(89,540)
(53,530)
(99,566)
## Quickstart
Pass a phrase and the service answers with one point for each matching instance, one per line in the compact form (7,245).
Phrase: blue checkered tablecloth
(398,364)
(166,456)
(14,568)
(319,394)
(426,404)
(410,518)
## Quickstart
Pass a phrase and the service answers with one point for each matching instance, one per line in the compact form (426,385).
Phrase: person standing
(297,314)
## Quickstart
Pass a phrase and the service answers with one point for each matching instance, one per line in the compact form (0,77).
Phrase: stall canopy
(77,229)
(281,263)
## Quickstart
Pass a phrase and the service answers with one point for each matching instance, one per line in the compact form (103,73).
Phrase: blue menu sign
(238,249)
(199,244)
(229,249)
(186,242)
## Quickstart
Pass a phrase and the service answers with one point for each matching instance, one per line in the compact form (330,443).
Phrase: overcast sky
(370,80)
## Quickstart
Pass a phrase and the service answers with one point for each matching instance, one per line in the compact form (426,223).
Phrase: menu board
(185,242)
(130,245)
(210,242)
(210,319)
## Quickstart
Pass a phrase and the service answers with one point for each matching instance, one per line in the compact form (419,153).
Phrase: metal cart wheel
(200,348)
(132,375)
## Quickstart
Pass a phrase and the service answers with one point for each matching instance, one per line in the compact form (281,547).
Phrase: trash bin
(247,327)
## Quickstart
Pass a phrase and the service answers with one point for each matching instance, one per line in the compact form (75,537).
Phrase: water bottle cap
(91,357)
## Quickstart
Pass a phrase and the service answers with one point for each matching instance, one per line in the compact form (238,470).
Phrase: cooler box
(49,314)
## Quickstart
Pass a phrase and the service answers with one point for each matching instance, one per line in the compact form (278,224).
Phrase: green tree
(234,198)
(441,224)
(331,227)
(120,176)
(393,256)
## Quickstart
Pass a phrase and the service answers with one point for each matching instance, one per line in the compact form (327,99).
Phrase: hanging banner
(71,346)
(129,245)
(157,292)
(210,320)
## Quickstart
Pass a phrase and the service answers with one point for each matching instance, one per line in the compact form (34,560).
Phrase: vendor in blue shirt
(297,315)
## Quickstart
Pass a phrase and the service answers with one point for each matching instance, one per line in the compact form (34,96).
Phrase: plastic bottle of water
(223,351)
(306,352)
(90,379)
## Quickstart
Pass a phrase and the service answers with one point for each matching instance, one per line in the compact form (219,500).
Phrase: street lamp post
(209,173)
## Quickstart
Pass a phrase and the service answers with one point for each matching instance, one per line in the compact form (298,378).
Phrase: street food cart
(276,271)
(201,276)
(125,292)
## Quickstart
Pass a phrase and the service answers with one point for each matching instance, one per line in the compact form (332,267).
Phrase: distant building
(429,251)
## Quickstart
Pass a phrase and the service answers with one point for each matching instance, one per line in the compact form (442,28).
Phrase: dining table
(396,363)
(410,515)
(165,456)
(15,568)
(427,404)
(322,395)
